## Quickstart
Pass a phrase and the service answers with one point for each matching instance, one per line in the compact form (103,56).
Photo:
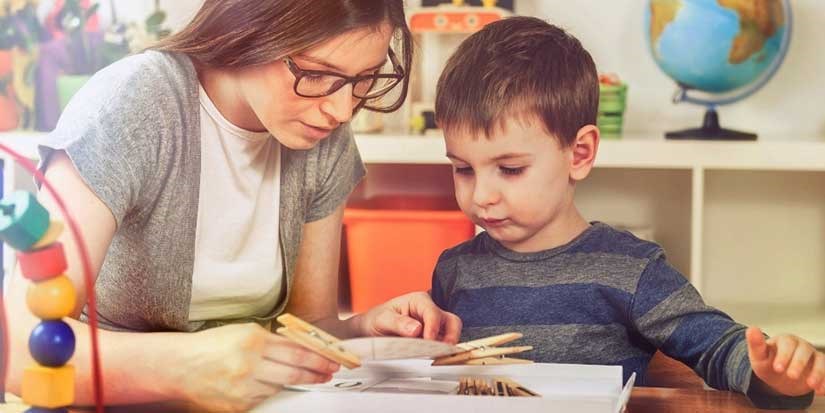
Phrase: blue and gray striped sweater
(606,298)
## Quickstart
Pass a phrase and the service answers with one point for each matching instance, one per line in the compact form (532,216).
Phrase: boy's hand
(411,315)
(787,364)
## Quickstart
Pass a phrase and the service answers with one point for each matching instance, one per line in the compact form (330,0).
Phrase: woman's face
(298,122)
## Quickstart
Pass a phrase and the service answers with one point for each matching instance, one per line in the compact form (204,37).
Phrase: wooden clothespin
(508,387)
(317,340)
(484,352)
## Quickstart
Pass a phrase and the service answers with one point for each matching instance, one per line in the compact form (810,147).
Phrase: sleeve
(443,281)
(668,312)
(109,131)
(339,170)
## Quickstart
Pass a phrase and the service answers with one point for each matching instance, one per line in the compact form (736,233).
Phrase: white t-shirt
(238,269)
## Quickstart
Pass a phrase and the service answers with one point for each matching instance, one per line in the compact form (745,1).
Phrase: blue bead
(45,410)
(52,343)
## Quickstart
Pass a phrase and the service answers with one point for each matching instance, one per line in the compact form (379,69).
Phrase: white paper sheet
(563,388)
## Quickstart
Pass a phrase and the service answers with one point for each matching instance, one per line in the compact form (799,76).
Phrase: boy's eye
(511,171)
(464,170)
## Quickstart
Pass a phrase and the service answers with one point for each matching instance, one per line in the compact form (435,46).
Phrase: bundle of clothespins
(476,386)
(477,352)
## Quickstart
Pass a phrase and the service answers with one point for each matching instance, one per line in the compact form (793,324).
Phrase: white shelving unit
(745,221)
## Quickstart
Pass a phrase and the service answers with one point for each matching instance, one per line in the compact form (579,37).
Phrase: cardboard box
(402,386)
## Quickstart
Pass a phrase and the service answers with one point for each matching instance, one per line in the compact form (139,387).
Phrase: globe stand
(710,130)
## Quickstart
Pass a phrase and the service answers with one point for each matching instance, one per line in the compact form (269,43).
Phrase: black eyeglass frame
(299,74)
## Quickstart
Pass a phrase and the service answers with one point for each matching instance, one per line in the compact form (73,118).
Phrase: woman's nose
(340,104)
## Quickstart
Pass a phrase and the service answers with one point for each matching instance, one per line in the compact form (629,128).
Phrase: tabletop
(642,400)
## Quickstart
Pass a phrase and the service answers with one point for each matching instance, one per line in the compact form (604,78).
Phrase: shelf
(647,151)
(644,151)
(804,321)
(678,168)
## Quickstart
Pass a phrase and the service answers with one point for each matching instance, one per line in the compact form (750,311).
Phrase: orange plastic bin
(393,244)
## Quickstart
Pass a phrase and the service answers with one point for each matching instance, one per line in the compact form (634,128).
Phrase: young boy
(517,103)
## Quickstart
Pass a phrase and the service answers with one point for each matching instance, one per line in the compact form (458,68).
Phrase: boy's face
(516,184)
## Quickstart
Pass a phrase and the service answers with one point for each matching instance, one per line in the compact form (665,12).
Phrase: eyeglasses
(319,83)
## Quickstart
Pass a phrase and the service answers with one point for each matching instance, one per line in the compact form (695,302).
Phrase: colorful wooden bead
(47,386)
(51,235)
(52,343)
(23,221)
(42,264)
(52,299)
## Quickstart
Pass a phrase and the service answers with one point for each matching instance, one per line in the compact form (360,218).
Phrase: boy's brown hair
(522,67)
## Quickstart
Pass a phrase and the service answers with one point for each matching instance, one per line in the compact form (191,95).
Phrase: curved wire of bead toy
(26,226)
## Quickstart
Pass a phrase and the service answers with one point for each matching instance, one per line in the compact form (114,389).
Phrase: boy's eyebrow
(321,62)
(451,156)
(497,158)
(512,156)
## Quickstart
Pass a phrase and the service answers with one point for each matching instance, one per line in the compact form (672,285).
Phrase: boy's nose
(339,105)
(485,194)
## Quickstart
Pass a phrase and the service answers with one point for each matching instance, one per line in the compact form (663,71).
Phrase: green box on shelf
(612,103)
(610,125)
(612,98)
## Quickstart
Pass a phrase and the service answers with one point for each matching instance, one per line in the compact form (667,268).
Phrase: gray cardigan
(133,133)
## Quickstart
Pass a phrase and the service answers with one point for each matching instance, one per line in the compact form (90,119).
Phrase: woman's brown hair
(243,33)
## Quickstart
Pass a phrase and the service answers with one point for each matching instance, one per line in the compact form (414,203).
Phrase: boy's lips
(491,222)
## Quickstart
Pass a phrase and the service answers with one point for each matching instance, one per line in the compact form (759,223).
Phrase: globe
(718,52)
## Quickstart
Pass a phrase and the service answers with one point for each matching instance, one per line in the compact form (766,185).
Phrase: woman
(175,162)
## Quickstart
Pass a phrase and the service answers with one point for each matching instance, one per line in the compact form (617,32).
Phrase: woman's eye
(314,78)
(465,170)
(511,171)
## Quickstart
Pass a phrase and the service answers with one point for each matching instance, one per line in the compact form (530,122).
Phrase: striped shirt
(605,298)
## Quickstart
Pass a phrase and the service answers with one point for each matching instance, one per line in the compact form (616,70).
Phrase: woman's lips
(315,132)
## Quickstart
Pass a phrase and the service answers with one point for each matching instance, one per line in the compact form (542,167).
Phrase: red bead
(42,264)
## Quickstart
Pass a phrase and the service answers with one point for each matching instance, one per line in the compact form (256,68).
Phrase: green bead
(23,221)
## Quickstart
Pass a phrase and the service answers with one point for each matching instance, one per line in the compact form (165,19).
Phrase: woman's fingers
(277,374)
(281,350)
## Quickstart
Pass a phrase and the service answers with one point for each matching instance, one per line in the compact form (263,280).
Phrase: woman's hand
(235,367)
(410,315)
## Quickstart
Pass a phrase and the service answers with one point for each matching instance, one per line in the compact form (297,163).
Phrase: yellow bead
(52,299)
(48,387)
(51,235)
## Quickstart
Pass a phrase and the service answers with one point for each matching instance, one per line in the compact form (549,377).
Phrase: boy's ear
(584,150)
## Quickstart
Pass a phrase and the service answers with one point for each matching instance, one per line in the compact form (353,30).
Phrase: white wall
(178,12)
(788,107)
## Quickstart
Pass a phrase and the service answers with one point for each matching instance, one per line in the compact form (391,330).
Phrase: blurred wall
(788,107)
